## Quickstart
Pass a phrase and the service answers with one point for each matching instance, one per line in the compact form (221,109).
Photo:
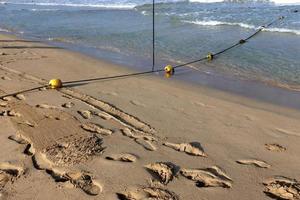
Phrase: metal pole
(153,34)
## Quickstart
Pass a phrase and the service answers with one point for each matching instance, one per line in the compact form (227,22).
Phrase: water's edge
(251,89)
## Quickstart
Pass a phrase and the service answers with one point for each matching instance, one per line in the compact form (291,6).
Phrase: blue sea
(121,31)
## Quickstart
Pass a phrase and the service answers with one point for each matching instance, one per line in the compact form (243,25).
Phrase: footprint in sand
(12,169)
(46,106)
(29,150)
(68,105)
(137,103)
(73,150)
(193,148)
(9,172)
(257,163)
(209,177)
(164,170)
(20,97)
(86,114)
(18,138)
(10,113)
(41,162)
(158,193)
(122,157)
(95,128)
(275,147)
(145,141)
(80,180)
(281,187)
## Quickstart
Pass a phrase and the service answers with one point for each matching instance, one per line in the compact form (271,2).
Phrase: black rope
(152,71)
(23,91)
(112,77)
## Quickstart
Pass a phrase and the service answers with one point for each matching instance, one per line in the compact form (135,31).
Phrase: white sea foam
(283,30)
(41,10)
(278,2)
(104,5)
(243,25)
(205,1)
(145,13)
(4,30)
(286,2)
(220,23)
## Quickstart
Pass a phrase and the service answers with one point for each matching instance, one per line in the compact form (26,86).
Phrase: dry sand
(135,138)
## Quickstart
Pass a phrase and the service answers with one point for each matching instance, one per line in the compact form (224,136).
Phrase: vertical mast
(153,34)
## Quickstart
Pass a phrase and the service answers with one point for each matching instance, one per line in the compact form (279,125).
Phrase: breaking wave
(243,25)
(220,23)
(104,5)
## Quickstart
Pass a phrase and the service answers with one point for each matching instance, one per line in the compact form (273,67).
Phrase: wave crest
(243,25)
(283,30)
(4,30)
(221,23)
(103,6)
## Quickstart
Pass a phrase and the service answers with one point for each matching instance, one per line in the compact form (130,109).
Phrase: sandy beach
(143,137)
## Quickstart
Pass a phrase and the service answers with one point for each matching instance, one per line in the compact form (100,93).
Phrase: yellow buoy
(210,56)
(167,75)
(169,71)
(55,83)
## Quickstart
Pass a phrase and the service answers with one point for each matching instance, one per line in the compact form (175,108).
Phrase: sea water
(121,31)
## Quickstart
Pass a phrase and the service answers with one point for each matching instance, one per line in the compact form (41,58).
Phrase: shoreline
(264,91)
(134,137)
(255,91)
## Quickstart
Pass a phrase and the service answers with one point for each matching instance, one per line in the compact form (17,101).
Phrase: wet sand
(135,138)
